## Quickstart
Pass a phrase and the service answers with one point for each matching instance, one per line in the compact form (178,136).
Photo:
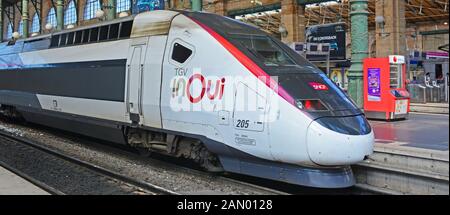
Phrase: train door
(151,89)
(250,120)
(136,62)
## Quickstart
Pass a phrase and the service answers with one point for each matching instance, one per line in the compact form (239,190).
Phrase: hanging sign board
(334,34)
(140,6)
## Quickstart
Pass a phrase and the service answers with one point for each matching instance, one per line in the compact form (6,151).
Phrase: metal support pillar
(111,6)
(10,14)
(360,46)
(75,2)
(37,4)
(197,5)
(25,18)
(60,14)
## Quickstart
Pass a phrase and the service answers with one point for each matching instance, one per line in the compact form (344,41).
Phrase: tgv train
(191,85)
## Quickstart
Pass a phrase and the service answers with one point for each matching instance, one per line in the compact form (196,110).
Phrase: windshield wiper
(252,51)
(271,64)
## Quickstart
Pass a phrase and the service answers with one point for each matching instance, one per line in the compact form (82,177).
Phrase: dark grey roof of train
(119,20)
(43,41)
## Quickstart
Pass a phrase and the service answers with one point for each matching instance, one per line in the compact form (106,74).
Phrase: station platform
(438,108)
(422,131)
(12,184)
(410,156)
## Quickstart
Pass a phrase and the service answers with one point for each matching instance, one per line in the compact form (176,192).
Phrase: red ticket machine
(385,95)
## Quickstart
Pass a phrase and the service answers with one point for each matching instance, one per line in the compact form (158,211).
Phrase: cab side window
(181,53)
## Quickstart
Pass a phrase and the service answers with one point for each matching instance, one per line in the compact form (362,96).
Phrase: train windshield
(265,49)
(309,86)
(261,47)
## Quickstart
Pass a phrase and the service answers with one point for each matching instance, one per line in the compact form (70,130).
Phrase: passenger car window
(94,35)
(180,53)
(103,33)
(125,29)
(70,37)
(85,36)
(114,31)
(63,40)
(55,41)
(78,37)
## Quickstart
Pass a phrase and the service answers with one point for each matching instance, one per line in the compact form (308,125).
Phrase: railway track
(270,186)
(115,183)
(258,185)
(141,184)
(193,169)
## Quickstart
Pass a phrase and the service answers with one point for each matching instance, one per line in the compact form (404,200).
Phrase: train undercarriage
(173,145)
(148,142)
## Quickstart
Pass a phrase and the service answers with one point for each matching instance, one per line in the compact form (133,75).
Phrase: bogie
(176,146)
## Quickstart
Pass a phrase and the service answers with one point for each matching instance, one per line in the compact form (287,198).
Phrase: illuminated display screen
(299,47)
(140,6)
(333,34)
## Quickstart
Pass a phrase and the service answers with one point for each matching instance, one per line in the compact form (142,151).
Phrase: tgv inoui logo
(196,87)
(245,95)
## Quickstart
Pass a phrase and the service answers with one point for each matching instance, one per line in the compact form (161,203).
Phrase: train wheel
(144,152)
(147,142)
(200,154)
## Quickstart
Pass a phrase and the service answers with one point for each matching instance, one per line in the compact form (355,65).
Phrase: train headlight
(310,105)
(299,103)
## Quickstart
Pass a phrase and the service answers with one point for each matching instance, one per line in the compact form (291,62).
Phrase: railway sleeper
(147,142)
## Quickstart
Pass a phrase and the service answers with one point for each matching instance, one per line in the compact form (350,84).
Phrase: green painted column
(25,18)
(60,14)
(360,47)
(1,21)
(197,5)
(111,10)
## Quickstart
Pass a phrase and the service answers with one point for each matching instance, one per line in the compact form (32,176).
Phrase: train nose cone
(327,147)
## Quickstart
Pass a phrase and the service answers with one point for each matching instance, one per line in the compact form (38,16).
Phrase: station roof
(330,12)
(334,11)
(9,2)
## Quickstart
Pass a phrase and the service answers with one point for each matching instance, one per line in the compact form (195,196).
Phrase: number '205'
(242,123)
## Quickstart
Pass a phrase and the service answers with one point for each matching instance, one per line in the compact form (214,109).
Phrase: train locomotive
(191,85)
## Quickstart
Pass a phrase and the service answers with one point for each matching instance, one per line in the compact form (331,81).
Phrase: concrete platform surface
(11,184)
(424,131)
(438,108)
